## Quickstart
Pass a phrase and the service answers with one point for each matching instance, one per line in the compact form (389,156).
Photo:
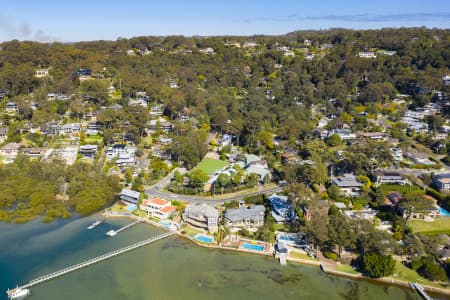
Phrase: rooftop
(204,209)
(158,201)
(346,180)
(251,212)
(130,193)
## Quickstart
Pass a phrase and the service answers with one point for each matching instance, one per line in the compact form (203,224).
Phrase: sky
(82,20)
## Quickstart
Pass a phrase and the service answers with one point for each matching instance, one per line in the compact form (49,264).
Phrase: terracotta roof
(168,209)
(158,201)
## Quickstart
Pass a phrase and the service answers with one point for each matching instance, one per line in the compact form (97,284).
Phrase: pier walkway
(114,232)
(93,261)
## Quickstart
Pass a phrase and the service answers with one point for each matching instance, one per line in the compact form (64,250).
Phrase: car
(174,195)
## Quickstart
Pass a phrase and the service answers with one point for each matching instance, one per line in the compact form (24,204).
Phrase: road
(157,192)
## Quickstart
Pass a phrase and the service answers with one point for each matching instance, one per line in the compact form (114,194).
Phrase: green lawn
(346,269)
(211,165)
(438,226)
(404,273)
(190,231)
(300,255)
(93,139)
(387,188)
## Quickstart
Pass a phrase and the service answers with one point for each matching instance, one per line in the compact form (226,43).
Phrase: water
(253,247)
(444,212)
(172,268)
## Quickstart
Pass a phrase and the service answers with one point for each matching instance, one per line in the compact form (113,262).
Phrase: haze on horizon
(84,20)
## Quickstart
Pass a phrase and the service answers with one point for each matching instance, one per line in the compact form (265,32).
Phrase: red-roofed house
(159,208)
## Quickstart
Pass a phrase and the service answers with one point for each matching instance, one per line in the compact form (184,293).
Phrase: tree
(318,229)
(376,265)
(340,233)
(198,178)
(223,180)
(333,140)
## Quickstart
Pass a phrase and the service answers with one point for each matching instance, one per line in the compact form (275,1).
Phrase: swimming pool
(166,224)
(286,238)
(444,212)
(252,247)
(131,207)
(204,238)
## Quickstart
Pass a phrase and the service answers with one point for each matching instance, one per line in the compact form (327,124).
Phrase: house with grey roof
(348,184)
(202,216)
(130,196)
(390,178)
(442,182)
(250,217)
(281,209)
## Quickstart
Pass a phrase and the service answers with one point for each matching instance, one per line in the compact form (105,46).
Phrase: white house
(207,50)
(41,73)
(367,54)
(158,208)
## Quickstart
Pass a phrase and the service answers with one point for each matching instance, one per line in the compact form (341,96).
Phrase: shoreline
(358,277)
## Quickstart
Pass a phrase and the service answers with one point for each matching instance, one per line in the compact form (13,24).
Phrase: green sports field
(211,165)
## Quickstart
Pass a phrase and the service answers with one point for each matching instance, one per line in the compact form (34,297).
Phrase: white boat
(18,293)
(95,224)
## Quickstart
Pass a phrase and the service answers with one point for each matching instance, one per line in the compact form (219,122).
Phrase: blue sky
(62,20)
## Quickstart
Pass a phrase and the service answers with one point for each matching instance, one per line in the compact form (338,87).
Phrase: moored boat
(18,293)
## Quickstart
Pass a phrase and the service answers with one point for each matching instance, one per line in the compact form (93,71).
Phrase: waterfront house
(159,208)
(441,182)
(348,184)
(130,196)
(250,217)
(281,209)
(202,216)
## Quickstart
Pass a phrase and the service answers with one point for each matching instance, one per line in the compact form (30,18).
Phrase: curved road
(156,191)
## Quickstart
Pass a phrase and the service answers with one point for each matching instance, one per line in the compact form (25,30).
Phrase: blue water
(166,270)
(253,247)
(444,212)
(286,238)
(203,238)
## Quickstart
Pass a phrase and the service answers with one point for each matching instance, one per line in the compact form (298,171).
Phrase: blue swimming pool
(444,212)
(252,247)
(204,238)
(131,207)
(166,224)
(286,238)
